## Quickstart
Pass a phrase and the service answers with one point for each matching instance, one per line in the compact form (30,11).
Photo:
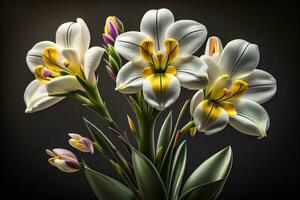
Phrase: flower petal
(128,44)
(75,135)
(212,68)
(155,24)
(62,84)
(189,34)
(74,35)
(92,60)
(34,56)
(73,60)
(261,86)
(214,48)
(251,118)
(191,73)
(196,100)
(63,166)
(64,153)
(129,79)
(239,58)
(161,90)
(36,97)
(210,118)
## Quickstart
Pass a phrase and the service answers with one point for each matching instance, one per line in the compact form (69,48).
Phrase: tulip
(64,160)
(81,143)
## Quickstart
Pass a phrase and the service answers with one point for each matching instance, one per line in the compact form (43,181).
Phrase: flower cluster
(160,61)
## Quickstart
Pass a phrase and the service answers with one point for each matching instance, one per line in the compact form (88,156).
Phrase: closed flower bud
(64,160)
(113,27)
(81,143)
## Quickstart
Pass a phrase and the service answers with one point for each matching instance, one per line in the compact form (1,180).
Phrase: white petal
(34,56)
(129,79)
(251,118)
(261,86)
(239,58)
(74,35)
(189,34)
(212,68)
(36,97)
(208,121)
(155,24)
(191,72)
(196,100)
(213,48)
(63,166)
(62,84)
(71,55)
(92,60)
(128,44)
(161,90)
(64,153)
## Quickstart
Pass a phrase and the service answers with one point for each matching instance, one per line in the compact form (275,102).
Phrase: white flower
(81,143)
(160,58)
(234,91)
(55,65)
(63,159)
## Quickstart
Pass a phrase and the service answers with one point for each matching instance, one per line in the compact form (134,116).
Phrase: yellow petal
(171,70)
(172,48)
(219,88)
(211,112)
(237,89)
(160,82)
(229,107)
(50,59)
(147,49)
(213,46)
(147,71)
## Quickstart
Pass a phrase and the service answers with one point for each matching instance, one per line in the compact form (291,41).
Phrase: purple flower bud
(110,72)
(112,30)
(108,39)
(119,24)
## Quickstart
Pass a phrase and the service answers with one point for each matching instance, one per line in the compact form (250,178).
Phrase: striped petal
(36,97)
(210,118)
(191,73)
(161,90)
(261,86)
(62,84)
(239,58)
(251,118)
(155,24)
(129,79)
(128,44)
(92,60)
(74,35)
(34,56)
(189,34)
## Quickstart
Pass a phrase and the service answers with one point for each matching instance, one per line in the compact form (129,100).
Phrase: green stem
(187,127)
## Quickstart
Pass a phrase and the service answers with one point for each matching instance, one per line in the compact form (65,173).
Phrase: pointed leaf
(215,168)
(165,133)
(106,187)
(149,182)
(178,169)
(209,191)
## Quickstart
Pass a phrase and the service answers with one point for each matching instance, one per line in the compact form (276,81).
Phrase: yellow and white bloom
(55,65)
(234,91)
(81,143)
(160,58)
(64,160)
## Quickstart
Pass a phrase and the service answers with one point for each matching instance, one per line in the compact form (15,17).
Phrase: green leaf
(115,54)
(165,134)
(214,170)
(99,137)
(113,63)
(106,187)
(149,182)
(178,169)
(209,191)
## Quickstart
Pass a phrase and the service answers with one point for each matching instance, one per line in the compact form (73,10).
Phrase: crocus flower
(113,27)
(64,160)
(160,58)
(234,91)
(81,143)
(55,65)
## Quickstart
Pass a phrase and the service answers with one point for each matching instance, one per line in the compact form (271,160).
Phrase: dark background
(266,168)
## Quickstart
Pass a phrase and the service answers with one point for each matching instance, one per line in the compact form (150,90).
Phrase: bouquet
(149,67)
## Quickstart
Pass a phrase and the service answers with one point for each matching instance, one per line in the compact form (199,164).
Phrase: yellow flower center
(159,62)
(222,93)
(51,67)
